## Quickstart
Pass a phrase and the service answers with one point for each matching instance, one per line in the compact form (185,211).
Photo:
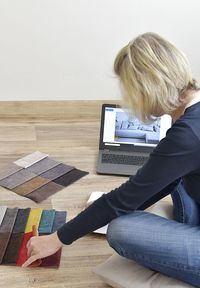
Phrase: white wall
(64,49)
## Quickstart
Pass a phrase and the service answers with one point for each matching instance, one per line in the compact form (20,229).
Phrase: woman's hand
(39,247)
(88,204)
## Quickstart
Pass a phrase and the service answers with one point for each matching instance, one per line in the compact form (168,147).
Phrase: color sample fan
(17,226)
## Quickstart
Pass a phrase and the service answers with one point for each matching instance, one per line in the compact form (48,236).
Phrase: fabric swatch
(9,170)
(70,177)
(30,185)
(11,254)
(6,230)
(57,171)
(33,219)
(8,220)
(46,222)
(19,225)
(44,192)
(43,166)
(12,251)
(22,256)
(30,159)
(17,179)
(2,213)
(59,220)
(37,176)
(37,262)
(4,239)
(21,220)
(53,260)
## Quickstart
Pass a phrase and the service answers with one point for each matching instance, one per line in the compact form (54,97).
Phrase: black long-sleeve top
(176,157)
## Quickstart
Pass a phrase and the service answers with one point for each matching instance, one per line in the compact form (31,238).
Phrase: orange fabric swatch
(52,260)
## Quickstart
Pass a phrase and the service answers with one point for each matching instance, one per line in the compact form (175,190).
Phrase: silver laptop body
(125,142)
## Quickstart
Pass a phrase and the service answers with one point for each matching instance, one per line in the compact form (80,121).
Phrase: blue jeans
(171,247)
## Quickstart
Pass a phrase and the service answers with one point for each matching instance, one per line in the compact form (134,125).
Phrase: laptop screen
(120,127)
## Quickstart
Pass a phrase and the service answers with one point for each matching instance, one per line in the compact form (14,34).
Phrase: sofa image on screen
(132,130)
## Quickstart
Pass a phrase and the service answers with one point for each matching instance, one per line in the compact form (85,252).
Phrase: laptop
(125,142)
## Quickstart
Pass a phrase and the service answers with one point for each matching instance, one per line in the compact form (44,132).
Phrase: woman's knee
(115,235)
(114,231)
(186,210)
(126,228)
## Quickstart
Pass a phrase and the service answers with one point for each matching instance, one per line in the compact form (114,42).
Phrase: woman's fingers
(30,246)
(32,252)
(88,204)
(40,247)
(31,260)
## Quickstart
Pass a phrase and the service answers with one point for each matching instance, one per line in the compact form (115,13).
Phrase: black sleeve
(175,156)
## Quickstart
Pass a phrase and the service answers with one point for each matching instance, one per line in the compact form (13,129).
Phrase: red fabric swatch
(53,260)
(22,256)
(50,261)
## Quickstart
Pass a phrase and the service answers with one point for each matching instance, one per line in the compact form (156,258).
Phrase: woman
(156,80)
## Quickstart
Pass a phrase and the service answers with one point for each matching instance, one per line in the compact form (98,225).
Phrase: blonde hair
(154,75)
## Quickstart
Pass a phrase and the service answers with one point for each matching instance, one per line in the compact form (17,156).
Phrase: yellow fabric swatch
(33,219)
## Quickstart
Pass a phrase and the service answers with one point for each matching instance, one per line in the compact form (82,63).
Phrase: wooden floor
(69,132)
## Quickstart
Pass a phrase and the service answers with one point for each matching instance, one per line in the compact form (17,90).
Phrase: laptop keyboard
(124,159)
